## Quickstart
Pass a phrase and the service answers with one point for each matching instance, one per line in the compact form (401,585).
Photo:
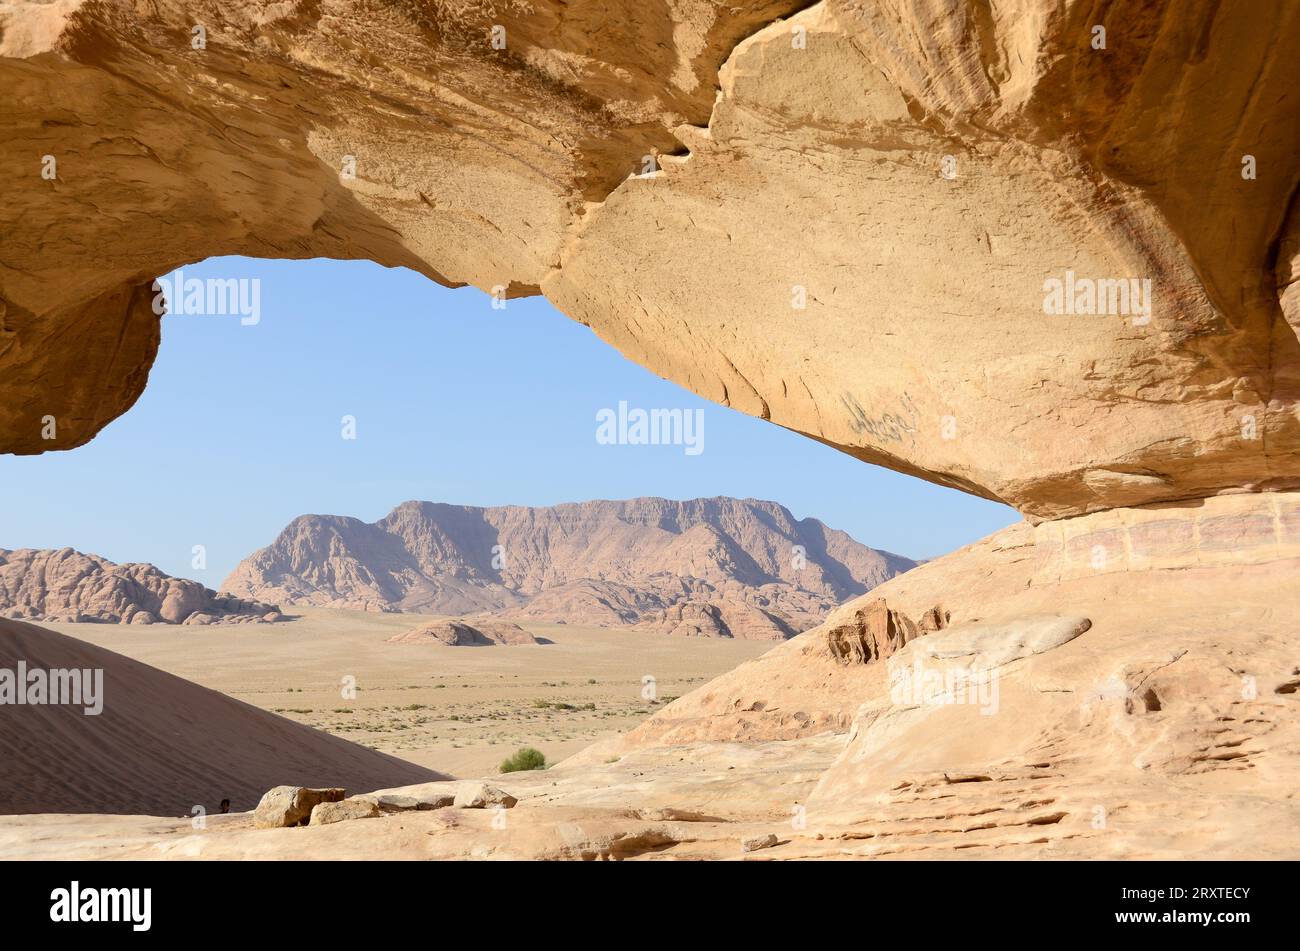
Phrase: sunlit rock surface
(844,218)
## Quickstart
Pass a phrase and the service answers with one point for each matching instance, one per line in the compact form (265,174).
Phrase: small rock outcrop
(286,806)
(355,807)
(423,797)
(755,843)
(481,795)
(878,631)
(726,617)
(475,632)
(38,584)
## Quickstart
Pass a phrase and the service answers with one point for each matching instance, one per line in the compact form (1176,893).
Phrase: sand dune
(161,745)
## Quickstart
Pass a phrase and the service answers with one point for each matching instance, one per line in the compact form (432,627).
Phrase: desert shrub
(524,759)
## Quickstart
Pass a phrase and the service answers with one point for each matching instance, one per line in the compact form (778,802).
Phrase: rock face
(708,567)
(472,632)
(877,631)
(65,585)
(871,182)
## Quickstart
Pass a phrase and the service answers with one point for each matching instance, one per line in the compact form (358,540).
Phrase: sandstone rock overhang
(851,219)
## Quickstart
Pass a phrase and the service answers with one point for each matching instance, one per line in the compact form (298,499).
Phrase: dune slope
(161,745)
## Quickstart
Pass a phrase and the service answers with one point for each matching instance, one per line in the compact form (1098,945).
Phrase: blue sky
(240,427)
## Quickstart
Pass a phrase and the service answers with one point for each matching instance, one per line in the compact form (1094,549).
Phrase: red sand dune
(162,745)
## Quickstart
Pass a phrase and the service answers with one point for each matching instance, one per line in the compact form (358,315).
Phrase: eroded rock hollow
(1041,252)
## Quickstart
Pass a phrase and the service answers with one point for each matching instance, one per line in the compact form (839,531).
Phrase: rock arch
(914,172)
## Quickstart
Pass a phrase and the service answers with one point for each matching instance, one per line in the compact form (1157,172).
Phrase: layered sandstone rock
(854,238)
(877,631)
(66,585)
(710,567)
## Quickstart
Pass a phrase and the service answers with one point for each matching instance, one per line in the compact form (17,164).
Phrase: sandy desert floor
(459,710)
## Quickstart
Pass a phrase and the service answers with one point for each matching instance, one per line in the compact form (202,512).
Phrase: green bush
(524,759)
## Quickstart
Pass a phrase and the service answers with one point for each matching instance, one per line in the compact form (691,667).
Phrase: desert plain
(457,710)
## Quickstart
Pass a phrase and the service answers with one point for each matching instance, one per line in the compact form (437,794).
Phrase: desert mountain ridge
(703,567)
(62,584)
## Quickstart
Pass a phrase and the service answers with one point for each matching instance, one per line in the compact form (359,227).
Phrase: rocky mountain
(712,567)
(38,584)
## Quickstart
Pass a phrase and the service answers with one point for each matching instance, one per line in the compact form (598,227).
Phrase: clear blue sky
(239,430)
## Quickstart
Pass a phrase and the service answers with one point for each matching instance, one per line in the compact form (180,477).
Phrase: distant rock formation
(727,618)
(473,632)
(38,584)
(707,567)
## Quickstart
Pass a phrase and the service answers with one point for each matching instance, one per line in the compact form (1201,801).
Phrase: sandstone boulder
(394,802)
(291,805)
(481,795)
(425,796)
(180,600)
(355,807)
